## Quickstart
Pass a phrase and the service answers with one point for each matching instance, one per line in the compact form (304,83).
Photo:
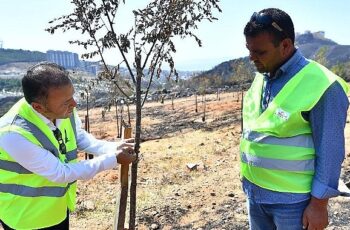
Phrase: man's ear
(287,46)
(37,106)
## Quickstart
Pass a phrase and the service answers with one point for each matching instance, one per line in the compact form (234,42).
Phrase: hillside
(237,72)
(310,44)
(15,55)
(241,70)
(172,195)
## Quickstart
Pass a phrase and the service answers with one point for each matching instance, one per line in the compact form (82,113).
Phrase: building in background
(66,59)
(90,67)
(71,61)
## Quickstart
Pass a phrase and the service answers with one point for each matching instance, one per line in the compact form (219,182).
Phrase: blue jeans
(276,216)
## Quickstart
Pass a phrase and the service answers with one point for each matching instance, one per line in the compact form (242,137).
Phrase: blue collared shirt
(327,131)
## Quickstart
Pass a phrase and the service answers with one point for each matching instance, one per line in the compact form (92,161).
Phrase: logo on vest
(282,114)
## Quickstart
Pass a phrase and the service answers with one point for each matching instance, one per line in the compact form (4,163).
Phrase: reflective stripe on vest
(13,167)
(278,164)
(42,138)
(72,121)
(17,168)
(304,141)
(26,191)
(72,155)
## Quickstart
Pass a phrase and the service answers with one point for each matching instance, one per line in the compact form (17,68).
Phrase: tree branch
(117,42)
(152,74)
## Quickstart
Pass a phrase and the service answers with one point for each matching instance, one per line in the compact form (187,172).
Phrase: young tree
(321,55)
(150,40)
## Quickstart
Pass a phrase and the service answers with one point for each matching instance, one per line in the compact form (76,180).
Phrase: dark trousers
(64,225)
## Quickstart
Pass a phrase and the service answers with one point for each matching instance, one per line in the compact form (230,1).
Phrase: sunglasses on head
(266,20)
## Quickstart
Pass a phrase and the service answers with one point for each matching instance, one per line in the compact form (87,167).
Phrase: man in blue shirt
(270,40)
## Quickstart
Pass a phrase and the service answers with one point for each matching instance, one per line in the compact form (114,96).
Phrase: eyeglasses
(58,136)
(264,19)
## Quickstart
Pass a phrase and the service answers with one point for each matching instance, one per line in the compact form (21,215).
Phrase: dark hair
(42,77)
(272,20)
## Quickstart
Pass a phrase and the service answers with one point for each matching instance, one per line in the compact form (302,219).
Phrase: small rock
(89,205)
(201,166)
(154,226)
(192,166)
(153,213)
(231,195)
(213,194)
(218,141)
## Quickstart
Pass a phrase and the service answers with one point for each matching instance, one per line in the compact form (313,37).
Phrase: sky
(22,24)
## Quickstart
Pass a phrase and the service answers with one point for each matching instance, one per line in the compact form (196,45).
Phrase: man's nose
(73,103)
(252,57)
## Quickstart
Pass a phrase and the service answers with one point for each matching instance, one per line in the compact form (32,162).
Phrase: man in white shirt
(39,139)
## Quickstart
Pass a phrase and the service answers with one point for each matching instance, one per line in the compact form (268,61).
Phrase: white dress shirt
(42,162)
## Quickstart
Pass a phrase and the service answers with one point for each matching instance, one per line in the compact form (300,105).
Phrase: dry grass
(169,194)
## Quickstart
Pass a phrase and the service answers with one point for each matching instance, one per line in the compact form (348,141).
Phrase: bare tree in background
(150,41)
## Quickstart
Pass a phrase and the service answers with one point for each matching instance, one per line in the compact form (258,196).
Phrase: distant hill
(17,69)
(241,70)
(311,43)
(236,72)
(232,73)
(14,55)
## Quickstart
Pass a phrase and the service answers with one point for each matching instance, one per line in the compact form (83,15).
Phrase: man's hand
(126,142)
(315,216)
(125,152)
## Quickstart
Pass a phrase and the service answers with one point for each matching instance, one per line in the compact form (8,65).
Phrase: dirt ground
(170,195)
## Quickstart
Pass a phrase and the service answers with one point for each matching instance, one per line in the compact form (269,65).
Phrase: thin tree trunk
(87,124)
(116,114)
(134,165)
(203,101)
(172,102)
(129,121)
(121,119)
(242,95)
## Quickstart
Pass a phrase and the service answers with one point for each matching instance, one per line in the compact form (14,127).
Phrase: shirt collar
(287,65)
(49,123)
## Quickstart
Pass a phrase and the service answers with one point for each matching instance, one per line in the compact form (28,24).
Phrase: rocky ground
(170,194)
(188,172)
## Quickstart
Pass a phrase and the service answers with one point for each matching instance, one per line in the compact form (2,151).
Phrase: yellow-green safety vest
(277,150)
(28,200)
